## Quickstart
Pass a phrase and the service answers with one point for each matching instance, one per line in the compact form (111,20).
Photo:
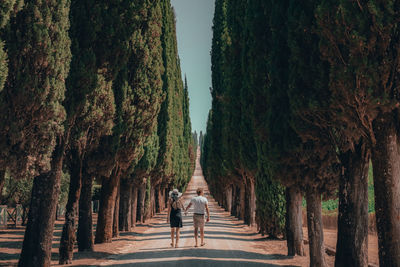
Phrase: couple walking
(174,217)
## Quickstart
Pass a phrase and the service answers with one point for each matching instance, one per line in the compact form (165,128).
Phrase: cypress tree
(39,57)
(259,47)
(140,177)
(195,139)
(360,42)
(215,169)
(89,103)
(247,145)
(173,121)
(137,91)
(201,138)
(189,151)
(7,10)
(243,151)
(308,80)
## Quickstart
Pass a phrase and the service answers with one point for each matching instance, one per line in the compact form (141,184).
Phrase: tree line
(305,95)
(92,89)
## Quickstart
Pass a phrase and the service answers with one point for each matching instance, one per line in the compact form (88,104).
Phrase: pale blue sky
(194,32)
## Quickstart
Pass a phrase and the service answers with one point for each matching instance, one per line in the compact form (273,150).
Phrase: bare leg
(177,237)
(172,236)
(196,232)
(202,235)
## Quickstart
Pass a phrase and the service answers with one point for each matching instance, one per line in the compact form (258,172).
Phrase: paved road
(228,241)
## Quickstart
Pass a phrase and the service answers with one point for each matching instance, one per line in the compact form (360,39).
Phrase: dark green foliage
(189,143)
(16,191)
(145,166)
(360,43)
(8,8)
(241,61)
(38,49)
(201,139)
(89,98)
(195,139)
(137,87)
(270,212)
(175,158)
(214,166)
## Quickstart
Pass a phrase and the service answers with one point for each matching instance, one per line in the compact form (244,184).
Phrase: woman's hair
(175,196)
(176,204)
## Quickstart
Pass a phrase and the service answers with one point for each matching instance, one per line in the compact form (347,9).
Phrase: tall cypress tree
(97,121)
(360,40)
(39,56)
(259,48)
(215,169)
(138,95)
(308,80)
(142,177)
(173,121)
(89,105)
(7,10)
(190,147)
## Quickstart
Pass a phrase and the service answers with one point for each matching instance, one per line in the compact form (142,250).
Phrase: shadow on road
(202,253)
(200,263)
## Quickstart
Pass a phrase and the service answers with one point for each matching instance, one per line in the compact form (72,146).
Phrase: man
(200,204)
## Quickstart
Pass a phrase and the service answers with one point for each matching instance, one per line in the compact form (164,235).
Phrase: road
(228,241)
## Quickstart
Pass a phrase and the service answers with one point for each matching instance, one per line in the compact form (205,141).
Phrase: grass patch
(331,206)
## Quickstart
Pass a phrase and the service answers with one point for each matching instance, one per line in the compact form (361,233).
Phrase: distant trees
(308,91)
(93,89)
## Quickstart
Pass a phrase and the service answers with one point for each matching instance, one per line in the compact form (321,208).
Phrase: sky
(194,33)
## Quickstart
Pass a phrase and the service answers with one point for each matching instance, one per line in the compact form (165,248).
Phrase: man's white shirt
(199,204)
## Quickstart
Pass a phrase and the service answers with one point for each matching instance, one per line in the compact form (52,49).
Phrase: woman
(174,217)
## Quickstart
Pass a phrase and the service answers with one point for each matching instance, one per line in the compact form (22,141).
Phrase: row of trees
(305,96)
(93,89)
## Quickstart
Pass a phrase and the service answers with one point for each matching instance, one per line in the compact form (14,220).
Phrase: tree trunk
(2,181)
(85,232)
(294,222)
(157,199)
(247,204)
(109,188)
(235,194)
(36,248)
(352,238)
(141,202)
(153,202)
(116,212)
(385,159)
(315,229)
(148,201)
(134,206)
(162,198)
(241,201)
(71,212)
(252,204)
(125,208)
(229,198)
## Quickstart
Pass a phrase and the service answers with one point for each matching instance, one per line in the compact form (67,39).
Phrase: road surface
(228,241)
